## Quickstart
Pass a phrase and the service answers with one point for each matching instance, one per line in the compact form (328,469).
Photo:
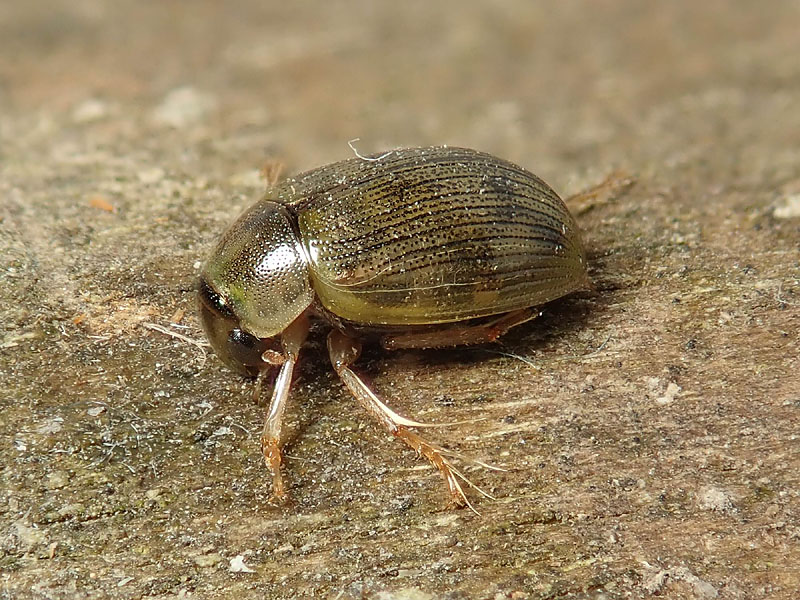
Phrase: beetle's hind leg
(459,334)
(344,351)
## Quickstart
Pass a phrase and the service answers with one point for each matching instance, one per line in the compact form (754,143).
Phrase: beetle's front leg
(271,435)
(292,339)
(344,351)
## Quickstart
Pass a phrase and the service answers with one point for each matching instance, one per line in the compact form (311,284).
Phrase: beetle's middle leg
(344,351)
(459,334)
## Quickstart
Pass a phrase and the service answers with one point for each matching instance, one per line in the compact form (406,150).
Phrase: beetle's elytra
(416,248)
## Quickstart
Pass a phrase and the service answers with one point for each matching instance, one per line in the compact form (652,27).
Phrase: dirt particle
(715,499)
(56,480)
(208,560)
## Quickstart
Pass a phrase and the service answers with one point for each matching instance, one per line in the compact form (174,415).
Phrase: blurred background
(546,84)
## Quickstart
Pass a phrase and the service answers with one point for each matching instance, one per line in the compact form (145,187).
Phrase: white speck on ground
(711,498)
(672,391)
(237,565)
(701,588)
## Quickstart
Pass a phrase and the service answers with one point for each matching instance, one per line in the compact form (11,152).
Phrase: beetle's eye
(245,348)
(213,300)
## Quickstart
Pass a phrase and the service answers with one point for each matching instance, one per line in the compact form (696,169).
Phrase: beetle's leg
(291,339)
(611,188)
(344,351)
(459,334)
(270,437)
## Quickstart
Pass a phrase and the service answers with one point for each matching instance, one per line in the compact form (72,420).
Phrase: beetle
(414,248)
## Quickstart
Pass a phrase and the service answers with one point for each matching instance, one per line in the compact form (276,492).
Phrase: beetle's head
(238,349)
(253,286)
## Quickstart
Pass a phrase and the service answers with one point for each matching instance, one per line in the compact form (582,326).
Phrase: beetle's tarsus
(272,457)
(436,455)
(279,499)
(469,459)
(471,484)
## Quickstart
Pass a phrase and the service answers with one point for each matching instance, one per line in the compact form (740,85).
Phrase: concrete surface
(649,429)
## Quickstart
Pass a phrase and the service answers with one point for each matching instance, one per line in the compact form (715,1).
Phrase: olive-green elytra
(435,235)
(424,247)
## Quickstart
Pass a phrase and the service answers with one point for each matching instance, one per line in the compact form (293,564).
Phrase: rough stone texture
(651,431)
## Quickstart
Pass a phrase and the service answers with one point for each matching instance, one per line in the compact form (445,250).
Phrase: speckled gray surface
(651,438)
